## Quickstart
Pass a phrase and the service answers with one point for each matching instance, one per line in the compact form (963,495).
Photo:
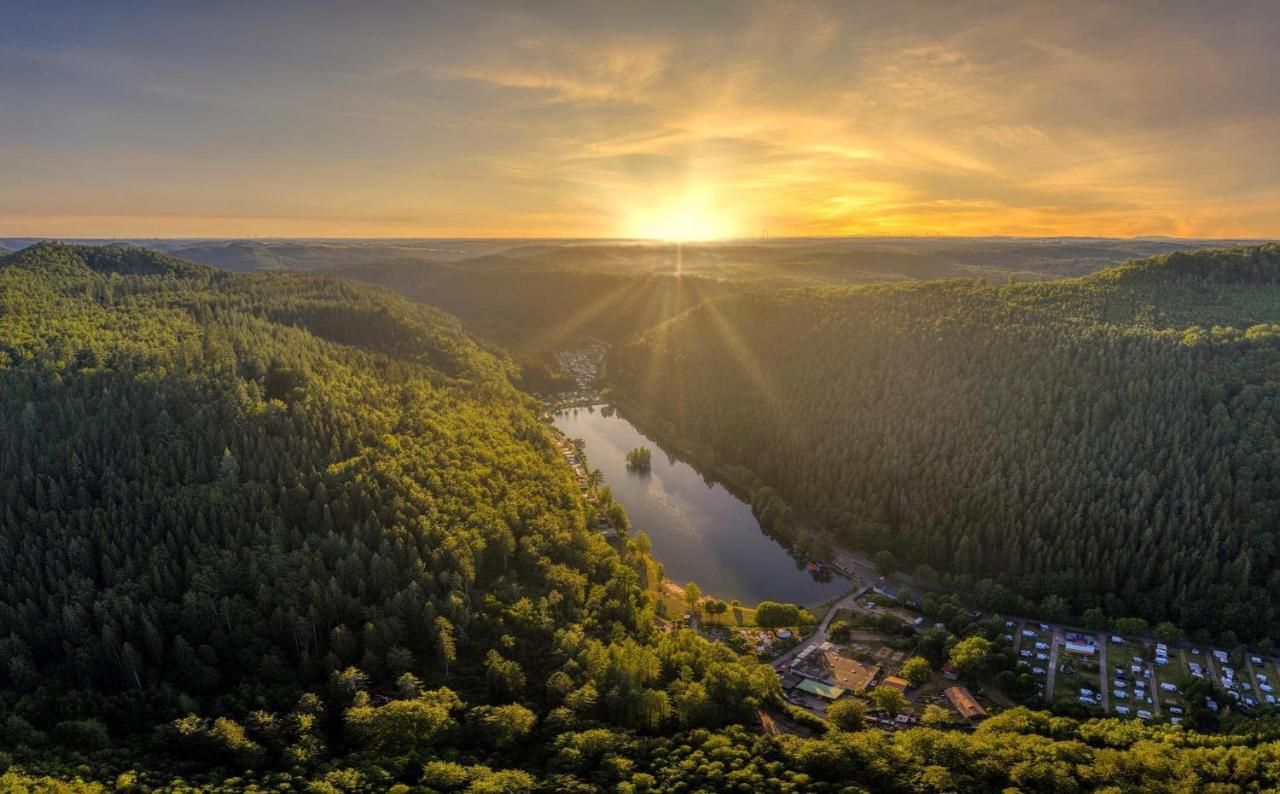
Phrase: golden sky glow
(685,121)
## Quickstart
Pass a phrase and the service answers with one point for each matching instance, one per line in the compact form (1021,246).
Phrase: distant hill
(544,309)
(1107,439)
(540,295)
(1234,286)
(252,255)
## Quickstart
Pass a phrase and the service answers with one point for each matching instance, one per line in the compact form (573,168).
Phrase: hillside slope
(221,487)
(1072,438)
(222,491)
(282,532)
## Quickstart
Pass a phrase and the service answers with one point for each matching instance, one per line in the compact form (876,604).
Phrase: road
(1211,666)
(1154,686)
(1103,671)
(819,634)
(857,567)
(1253,678)
(1057,639)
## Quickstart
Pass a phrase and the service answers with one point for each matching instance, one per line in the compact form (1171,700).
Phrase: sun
(692,219)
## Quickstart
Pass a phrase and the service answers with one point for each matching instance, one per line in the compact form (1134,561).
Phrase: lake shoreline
(700,526)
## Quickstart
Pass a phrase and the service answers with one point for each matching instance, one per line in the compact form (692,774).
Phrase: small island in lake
(638,459)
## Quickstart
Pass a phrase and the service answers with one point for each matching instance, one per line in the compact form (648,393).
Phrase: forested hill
(222,491)
(219,490)
(1108,439)
(1225,287)
(290,533)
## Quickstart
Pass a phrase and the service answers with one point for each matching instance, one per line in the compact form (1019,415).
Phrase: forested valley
(535,296)
(1108,440)
(535,311)
(287,532)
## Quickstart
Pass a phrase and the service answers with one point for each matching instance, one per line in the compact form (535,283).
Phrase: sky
(682,120)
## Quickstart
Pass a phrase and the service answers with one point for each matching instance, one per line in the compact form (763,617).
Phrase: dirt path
(1052,673)
(1154,686)
(1253,678)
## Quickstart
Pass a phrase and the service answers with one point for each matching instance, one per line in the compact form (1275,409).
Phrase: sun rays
(692,216)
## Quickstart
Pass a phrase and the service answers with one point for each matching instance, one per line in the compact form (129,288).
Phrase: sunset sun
(692,219)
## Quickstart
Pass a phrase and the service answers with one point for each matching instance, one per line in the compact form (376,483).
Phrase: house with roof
(964,703)
(819,689)
(896,682)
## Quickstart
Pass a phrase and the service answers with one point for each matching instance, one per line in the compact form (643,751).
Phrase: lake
(700,532)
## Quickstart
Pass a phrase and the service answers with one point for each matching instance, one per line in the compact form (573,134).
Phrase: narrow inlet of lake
(700,532)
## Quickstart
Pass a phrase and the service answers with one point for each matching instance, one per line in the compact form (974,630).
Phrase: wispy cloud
(565,118)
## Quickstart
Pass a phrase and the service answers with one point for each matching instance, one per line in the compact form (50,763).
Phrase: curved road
(819,634)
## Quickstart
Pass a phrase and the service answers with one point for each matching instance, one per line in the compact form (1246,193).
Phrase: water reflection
(700,531)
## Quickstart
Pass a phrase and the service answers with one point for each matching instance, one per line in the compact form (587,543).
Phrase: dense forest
(224,492)
(286,532)
(1108,439)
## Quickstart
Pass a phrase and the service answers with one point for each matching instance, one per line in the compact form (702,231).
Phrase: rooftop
(820,689)
(964,702)
(836,669)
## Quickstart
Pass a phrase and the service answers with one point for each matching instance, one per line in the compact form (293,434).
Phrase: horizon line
(621,239)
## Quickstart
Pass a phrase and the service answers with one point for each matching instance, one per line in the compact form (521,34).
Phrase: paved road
(1103,670)
(819,634)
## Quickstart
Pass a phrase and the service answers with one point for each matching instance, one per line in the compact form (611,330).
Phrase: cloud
(563,118)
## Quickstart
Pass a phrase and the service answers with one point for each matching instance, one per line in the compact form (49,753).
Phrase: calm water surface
(700,532)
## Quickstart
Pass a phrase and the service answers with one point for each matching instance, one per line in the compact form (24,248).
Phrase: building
(887,588)
(900,684)
(1079,647)
(832,668)
(824,691)
(950,673)
(964,703)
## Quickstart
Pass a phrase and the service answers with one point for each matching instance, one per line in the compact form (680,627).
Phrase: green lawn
(1176,673)
(1074,672)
